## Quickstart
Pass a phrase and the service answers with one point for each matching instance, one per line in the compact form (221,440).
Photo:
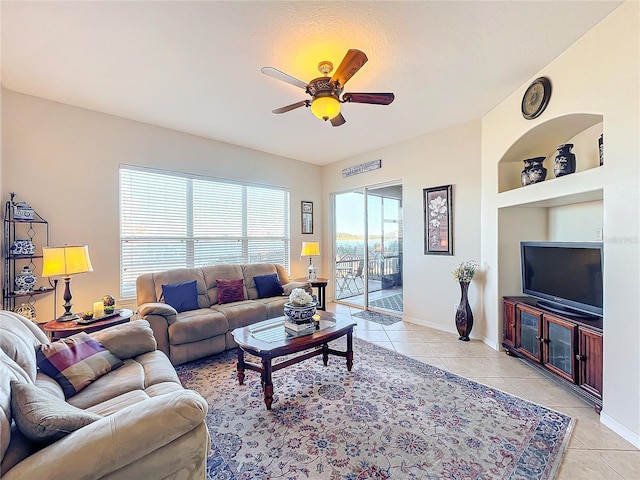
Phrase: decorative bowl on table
(299,313)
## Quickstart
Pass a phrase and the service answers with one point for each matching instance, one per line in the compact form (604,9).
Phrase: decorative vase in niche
(464,315)
(25,280)
(22,247)
(533,171)
(600,149)
(565,160)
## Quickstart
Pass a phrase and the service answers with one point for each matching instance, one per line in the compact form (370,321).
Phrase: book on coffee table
(299,328)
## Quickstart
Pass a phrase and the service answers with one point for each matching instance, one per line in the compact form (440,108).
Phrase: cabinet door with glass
(530,332)
(558,345)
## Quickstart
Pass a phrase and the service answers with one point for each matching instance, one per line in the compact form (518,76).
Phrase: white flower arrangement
(465,271)
(300,298)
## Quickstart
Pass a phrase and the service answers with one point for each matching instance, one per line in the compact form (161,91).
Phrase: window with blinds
(172,220)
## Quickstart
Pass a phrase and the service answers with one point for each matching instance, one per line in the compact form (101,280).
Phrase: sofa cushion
(43,417)
(76,361)
(241,314)
(181,296)
(230,290)
(197,325)
(268,285)
(127,340)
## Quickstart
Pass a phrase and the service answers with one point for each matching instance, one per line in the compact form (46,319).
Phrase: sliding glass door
(368,248)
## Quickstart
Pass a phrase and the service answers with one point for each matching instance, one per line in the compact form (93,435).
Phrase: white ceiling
(195,66)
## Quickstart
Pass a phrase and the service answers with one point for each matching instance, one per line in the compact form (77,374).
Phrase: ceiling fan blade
(374,98)
(293,106)
(338,120)
(351,63)
(278,75)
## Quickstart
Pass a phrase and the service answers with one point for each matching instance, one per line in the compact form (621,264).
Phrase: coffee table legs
(349,350)
(240,368)
(267,383)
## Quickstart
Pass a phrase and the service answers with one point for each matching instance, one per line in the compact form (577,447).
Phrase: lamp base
(68,317)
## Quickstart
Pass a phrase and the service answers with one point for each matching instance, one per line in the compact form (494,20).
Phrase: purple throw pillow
(230,290)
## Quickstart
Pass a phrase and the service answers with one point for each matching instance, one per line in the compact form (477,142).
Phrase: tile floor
(594,453)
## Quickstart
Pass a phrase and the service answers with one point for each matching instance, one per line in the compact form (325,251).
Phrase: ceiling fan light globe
(325,108)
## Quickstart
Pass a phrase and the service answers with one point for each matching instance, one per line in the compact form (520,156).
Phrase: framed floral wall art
(438,220)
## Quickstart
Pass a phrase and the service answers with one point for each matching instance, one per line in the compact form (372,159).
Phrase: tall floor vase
(464,315)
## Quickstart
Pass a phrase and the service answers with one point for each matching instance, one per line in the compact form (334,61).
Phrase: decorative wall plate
(536,98)
(26,310)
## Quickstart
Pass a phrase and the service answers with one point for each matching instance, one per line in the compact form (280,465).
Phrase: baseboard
(452,330)
(632,437)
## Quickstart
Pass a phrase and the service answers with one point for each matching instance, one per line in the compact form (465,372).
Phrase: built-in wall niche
(583,130)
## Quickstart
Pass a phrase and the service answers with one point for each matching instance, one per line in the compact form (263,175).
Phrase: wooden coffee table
(268,340)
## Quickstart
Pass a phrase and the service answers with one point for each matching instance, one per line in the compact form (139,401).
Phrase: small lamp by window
(311,249)
(66,261)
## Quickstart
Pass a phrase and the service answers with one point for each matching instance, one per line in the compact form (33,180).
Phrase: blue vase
(565,162)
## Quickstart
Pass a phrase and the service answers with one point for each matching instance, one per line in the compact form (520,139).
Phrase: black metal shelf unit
(31,229)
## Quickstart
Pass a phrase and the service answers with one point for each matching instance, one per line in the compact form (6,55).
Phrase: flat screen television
(565,276)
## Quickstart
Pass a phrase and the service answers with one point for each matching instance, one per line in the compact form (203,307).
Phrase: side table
(56,330)
(321,285)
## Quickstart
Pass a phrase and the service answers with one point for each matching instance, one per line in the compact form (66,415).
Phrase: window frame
(252,245)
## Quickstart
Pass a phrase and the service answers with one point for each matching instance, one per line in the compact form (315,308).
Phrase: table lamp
(66,261)
(311,249)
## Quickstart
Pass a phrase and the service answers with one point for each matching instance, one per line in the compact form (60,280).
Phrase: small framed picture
(438,220)
(307,217)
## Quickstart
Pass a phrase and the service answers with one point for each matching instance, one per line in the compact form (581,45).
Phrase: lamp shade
(310,249)
(325,108)
(65,261)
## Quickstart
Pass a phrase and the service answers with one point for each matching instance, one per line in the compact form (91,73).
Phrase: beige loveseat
(193,334)
(145,425)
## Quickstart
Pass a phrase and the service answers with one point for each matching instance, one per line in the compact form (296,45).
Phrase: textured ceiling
(195,66)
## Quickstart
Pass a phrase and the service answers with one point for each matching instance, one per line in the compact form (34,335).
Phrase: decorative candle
(98,309)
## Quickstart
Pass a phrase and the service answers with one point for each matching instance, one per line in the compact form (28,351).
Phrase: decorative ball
(108,300)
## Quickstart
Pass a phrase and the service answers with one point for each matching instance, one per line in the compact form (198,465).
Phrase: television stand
(563,347)
(565,311)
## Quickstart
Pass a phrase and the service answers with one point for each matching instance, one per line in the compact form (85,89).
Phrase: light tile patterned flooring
(594,453)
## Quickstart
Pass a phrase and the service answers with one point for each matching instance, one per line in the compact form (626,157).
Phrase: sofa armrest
(127,340)
(288,287)
(120,439)
(158,308)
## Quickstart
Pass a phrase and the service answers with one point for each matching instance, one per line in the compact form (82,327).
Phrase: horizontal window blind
(171,220)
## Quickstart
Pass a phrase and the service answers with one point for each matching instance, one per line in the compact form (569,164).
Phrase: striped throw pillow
(230,290)
(76,361)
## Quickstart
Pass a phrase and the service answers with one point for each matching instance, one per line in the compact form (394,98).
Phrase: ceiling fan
(325,92)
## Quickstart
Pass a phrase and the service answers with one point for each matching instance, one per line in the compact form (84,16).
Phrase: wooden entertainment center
(565,348)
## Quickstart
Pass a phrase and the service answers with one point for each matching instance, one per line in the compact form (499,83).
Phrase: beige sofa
(194,334)
(147,425)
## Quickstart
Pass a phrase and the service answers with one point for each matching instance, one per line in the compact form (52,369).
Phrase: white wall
(64,162)
(599,74)
(446,157)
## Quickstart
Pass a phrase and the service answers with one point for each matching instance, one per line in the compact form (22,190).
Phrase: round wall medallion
(536,98)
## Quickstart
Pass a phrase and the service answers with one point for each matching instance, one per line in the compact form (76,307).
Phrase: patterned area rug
(391,417)
(393,302)
(380,318)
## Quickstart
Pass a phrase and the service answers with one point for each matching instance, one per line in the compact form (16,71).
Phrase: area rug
(392,302)
(380,318)
(391,417)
